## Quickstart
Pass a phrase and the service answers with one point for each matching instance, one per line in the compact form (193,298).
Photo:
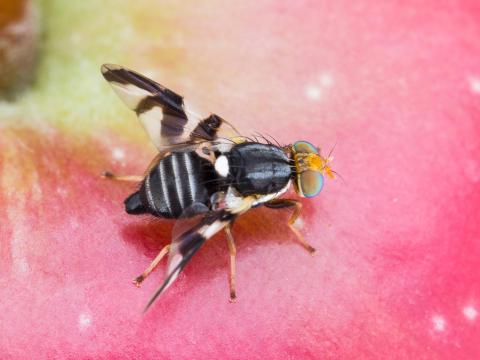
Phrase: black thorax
(258,168)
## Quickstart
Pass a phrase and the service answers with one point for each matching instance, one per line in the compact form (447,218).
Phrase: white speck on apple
(118,153)
(475,85)
(326,80)
(470,312)
(84,321)
(438,323)
(313,92)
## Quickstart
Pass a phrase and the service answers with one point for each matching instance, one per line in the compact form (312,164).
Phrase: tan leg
(132,178)
(282,203)
(139,279)
(291,222)
(233,254)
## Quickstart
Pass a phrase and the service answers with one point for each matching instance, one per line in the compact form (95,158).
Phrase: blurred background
(396,86)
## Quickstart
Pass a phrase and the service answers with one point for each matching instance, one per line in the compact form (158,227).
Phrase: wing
(162,112)
(189,241)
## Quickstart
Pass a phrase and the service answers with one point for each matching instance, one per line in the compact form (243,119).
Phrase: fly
(206,174)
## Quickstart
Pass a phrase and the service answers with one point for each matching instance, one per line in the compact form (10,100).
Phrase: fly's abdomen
(178,181)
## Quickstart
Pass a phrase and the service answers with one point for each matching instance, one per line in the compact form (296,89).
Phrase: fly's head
(310,168)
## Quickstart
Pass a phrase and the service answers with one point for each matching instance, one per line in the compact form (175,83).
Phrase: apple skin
(19,32)
(395,276)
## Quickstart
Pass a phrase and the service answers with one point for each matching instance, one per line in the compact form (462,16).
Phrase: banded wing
(193,234)
(162,112)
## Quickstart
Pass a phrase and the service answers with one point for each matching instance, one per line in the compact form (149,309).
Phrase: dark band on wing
(124,76)
(149,102)
(195,241)
(208,128)
(174,118)
(189,243)
(163,112)
(173,123)
(172,105)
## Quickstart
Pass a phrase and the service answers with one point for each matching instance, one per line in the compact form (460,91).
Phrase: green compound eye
(304,147)
(310,183)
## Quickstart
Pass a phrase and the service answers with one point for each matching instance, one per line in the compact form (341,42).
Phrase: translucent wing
(196,226)
(162,112)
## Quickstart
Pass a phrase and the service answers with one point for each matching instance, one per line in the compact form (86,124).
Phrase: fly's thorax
(255,169)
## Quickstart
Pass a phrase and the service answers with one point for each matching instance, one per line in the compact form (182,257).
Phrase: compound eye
(304,147)
(310,183)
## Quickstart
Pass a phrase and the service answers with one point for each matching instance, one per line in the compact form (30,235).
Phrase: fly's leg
(284,203)
(139,279)
(291,222)
(134,178)
(131,178)
(233,255)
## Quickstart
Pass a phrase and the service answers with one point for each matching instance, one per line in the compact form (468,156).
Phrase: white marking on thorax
(235,203)
(221,166)
(265,198)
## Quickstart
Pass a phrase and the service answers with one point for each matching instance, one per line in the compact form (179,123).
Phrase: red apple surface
(395,86)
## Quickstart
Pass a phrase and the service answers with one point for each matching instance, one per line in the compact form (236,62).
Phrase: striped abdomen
(175,183)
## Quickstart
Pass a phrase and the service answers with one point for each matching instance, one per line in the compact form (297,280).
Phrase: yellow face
(313,162)
(310,169)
